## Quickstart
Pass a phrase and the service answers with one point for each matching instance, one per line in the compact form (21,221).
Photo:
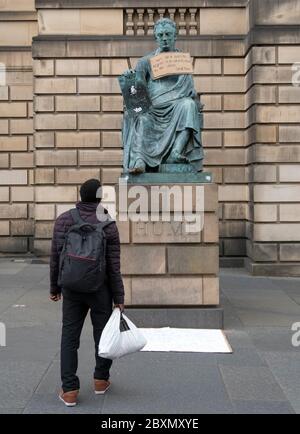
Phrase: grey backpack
(82,266)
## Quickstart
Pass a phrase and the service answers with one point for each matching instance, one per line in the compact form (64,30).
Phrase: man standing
(76,304)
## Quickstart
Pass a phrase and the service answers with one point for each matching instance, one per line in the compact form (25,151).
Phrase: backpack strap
(76,216)
(102,225)
(78,220)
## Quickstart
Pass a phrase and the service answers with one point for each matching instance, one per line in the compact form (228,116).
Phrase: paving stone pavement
(261,376)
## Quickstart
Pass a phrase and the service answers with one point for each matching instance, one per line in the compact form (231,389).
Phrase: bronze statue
(165,127)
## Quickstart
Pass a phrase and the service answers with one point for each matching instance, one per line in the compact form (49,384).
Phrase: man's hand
(55,297)
(120,306)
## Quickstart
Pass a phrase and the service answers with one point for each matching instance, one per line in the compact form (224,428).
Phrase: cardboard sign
(171,63)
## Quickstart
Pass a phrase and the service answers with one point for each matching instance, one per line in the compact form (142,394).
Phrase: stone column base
(194,317)
(168,270)
(272,269)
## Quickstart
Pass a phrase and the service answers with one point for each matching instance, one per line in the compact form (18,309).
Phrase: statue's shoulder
(143,62)
(148,56)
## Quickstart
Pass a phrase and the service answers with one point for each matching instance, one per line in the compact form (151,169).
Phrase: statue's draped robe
(151,136)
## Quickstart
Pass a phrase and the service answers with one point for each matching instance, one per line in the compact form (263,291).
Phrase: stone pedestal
(164,265)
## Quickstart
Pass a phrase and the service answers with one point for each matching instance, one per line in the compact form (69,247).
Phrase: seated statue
(170,131)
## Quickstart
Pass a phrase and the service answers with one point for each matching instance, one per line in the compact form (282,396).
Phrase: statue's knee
(188,103)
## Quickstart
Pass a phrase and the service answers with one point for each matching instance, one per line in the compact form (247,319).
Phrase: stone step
(201,318)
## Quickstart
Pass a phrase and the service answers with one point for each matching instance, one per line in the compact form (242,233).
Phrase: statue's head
(165,33)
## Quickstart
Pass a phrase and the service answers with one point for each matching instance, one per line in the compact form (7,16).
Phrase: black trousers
(75,309)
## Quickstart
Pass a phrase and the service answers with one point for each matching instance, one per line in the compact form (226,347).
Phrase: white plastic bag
(115,343)
(110,335)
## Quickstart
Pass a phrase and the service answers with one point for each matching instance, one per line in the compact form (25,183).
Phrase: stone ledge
(168,178)
(205,318)
(126,46)
(273,269)
(273,35)
(64,46)
(10,48)
(71,4)
(231,262)
(18,16)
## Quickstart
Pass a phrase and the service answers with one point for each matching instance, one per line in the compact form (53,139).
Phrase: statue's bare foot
(176,157)
(137,170)
(139,167)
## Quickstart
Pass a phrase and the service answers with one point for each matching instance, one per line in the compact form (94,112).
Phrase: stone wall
(273,138)
(18,24)
(243,55)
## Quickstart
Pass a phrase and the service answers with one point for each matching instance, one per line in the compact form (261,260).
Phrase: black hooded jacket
(87,212)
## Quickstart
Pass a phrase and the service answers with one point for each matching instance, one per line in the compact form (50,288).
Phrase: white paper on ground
(185,340)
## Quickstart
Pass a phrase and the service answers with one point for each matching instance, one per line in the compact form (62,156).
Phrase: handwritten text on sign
(171,63)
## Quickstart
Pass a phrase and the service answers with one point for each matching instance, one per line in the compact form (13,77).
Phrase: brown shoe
(101,386)
(69,398)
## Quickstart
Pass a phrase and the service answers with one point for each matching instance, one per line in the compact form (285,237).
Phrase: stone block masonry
(164,263)
(18,24)
(245,54)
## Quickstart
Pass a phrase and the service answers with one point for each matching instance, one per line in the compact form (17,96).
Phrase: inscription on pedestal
(163,232)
